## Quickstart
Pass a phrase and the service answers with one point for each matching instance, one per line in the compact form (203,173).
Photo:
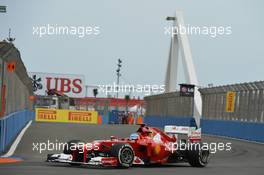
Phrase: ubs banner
(70,85)
(68,116)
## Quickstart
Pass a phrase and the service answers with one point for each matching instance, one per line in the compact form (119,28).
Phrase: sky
(134,32)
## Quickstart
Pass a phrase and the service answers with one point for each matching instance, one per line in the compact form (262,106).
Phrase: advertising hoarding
(66,116)
(230,101)
(68,84)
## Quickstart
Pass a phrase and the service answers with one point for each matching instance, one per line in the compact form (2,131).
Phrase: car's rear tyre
(124,154)
(197,157)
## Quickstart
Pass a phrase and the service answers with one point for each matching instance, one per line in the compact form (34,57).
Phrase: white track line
(16,142)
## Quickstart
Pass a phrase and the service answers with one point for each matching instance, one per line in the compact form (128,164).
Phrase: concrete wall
(15,90)
(169,104)
(17,84)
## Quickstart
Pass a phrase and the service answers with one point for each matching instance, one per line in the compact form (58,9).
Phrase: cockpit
(134,136)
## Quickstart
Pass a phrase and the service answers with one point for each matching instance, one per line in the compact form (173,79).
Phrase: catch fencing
(248,102)
(233,110)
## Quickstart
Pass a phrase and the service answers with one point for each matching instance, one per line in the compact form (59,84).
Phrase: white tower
(180,46)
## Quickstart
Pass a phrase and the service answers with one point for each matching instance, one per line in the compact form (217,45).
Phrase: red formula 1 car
(148,145)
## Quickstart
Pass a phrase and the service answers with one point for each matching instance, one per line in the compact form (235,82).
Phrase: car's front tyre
(124,154)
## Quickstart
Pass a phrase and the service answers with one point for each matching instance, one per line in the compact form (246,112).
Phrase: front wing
(96,161)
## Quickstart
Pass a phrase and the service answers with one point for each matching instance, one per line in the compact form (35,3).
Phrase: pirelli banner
(230,101)
(67,116)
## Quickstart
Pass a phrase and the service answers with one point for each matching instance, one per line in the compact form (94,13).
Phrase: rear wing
(192,133)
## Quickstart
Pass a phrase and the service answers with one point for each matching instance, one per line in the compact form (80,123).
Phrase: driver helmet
(134,136)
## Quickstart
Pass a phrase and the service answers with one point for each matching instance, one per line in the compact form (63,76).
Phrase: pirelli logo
(230,101)
(47,115)
(80,116)
(66,116)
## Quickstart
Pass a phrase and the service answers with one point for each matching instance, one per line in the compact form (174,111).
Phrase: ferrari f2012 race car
(147,146)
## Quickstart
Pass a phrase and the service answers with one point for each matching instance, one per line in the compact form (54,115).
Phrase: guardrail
(234,129)
(11,125)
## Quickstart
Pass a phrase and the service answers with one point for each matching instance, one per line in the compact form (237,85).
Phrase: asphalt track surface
(244,158)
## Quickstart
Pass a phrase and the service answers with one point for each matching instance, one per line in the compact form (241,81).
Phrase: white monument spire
(180,44)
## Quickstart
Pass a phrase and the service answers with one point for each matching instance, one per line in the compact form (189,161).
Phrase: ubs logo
(36,83)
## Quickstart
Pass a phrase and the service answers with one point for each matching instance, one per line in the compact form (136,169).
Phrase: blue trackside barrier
(105,119)
(234,129)
(100,112)
(113,117)
(11,125)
